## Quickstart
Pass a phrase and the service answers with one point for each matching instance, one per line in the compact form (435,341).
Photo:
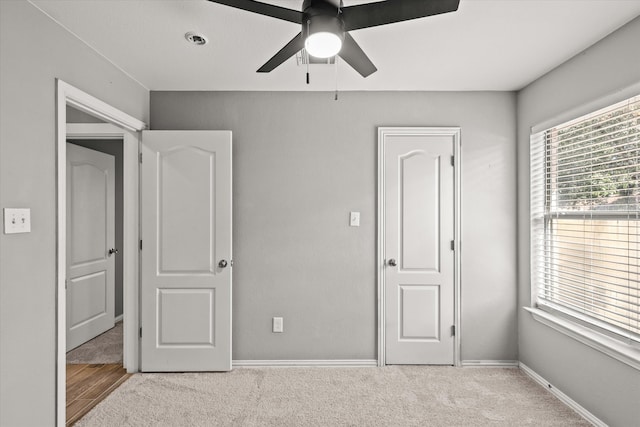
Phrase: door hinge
(453,245)
(141,244)
(140,331)
(453,330)
(453,161)
(140,157)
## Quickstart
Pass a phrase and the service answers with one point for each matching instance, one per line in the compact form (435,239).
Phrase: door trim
(67,95)
(383,132)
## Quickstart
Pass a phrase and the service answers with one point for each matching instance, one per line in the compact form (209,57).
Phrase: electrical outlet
(278,324)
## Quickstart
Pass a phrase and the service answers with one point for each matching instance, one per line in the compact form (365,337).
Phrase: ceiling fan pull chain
(335,60)
(306,53)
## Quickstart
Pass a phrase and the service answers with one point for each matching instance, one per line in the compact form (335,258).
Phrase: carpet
(390,396)
(105,348)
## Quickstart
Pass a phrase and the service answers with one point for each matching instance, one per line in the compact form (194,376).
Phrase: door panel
(89,212)
(419,219)
(187,224)
(87,297)
(419,312)
(419,226)
(186,233)
(90,234)
(194,327)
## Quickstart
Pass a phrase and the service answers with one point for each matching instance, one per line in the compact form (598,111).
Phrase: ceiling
(485,45)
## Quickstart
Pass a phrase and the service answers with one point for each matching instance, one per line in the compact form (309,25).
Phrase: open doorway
(95,243)
(115,125)
(94,305)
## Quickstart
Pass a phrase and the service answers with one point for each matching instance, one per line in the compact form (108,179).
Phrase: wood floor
(88,385)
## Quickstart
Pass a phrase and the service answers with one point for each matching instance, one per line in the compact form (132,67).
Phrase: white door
(419,260)
(90,236)
(186,251)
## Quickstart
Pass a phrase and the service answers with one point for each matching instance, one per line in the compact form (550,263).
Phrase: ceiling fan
(326,25)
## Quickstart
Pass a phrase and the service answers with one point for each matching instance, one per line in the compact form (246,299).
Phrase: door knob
(222,263)
(113,251)
(392,262)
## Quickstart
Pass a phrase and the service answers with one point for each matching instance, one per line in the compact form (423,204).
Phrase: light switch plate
(17,220)
(354,219)
(278,324)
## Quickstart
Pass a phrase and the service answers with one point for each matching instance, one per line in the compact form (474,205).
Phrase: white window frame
(621,348)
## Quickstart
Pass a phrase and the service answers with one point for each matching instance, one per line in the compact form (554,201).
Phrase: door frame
(454,132)
(118,125)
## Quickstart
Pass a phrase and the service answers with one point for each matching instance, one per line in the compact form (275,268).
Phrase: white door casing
(418,238)
(186,251)
(90,236)
(128,127)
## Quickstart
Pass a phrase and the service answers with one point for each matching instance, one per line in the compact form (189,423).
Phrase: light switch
(354,219)
(17,220)
(278,324)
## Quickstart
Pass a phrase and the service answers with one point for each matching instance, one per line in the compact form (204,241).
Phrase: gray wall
(607,388)
(28,68)
(113,147)
(302,161)
(77,116)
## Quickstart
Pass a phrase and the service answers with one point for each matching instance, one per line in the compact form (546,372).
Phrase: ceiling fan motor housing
(321,16)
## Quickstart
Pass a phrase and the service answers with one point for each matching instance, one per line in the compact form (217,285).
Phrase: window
(585,218)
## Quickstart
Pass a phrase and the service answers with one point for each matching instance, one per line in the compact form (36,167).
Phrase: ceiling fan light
(323,44)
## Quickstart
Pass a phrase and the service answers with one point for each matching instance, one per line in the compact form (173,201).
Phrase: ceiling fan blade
(264,9)
(390,11)
(285,53)
(353,55)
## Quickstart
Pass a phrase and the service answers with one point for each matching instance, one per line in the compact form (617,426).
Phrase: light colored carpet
(105,348)
(390,396)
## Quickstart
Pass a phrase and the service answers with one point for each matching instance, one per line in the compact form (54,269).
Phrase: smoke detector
(195,38)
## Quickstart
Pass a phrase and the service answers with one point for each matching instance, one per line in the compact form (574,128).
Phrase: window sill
(619,350)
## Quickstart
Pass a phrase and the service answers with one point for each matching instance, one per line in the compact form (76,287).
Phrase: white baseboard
(490,363)
(563,397)
(118,318)
(359,363)
(354,363)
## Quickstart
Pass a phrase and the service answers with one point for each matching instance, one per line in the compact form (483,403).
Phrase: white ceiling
(485,45)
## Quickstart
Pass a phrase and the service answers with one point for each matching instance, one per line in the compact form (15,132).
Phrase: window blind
(585,218)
